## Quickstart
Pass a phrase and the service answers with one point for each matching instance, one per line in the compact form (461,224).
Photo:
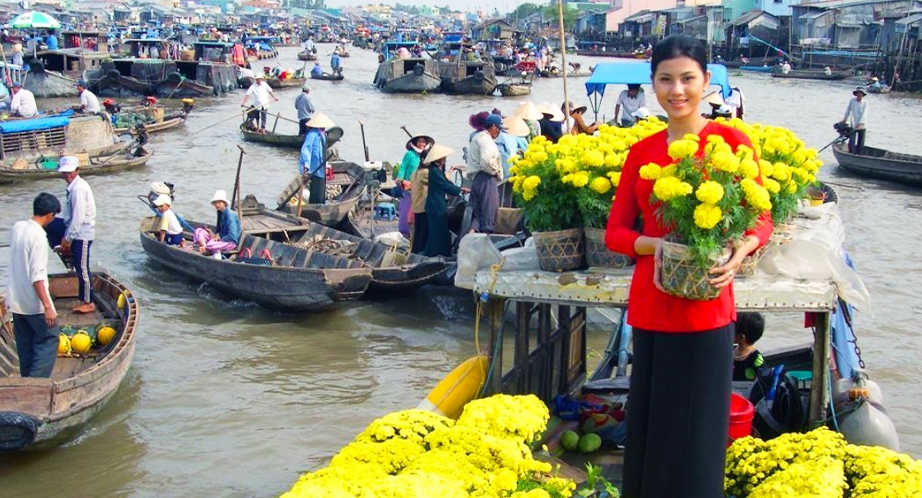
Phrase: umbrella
(33,19)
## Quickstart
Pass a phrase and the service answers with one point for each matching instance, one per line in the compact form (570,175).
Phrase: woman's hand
(722,276)
(658,263)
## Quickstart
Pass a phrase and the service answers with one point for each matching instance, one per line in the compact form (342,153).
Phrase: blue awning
(34,124)
(628,73)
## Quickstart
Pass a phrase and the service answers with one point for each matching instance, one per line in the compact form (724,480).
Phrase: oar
(364,145)
(235,199)
(404,128)
(856,187)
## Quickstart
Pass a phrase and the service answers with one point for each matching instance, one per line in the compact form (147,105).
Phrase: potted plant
(710,201)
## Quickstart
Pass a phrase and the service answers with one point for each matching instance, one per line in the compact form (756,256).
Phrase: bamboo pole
(563,63)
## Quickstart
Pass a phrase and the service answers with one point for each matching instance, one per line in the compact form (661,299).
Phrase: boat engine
(112,107)
(858,403)
(843,129)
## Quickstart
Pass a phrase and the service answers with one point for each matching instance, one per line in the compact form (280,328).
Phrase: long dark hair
(675,46)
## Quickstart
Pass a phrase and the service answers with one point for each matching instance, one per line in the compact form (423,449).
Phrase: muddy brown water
(228,399)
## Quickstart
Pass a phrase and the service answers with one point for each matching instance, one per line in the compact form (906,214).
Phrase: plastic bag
(475,252)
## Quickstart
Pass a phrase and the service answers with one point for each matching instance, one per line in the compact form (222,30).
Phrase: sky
(465,5)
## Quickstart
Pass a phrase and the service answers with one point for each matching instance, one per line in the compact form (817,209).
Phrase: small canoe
(286,83)
(881,164)
(392,269)
(757,69)
(327,77)
(274,139)
(39,413)
(514,89)
(877,89)
(268,273)
(812,74)
(348,177)
(155,127)
(134,158)
(307,56)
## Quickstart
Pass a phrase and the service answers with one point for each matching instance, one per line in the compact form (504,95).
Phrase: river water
(227,399)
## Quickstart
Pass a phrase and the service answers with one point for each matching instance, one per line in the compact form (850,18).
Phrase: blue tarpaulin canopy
(33,124)
(630,73)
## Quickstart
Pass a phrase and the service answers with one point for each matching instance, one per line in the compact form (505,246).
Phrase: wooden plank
(819,388)
(300,260)
(63,286)
(31,396)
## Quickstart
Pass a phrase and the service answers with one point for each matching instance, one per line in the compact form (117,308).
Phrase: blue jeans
(80,258)
(36,344)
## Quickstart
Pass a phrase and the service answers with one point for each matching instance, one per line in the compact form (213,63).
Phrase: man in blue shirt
(334,63)
(51,41)
(305,109)
(316,71)
(312,162)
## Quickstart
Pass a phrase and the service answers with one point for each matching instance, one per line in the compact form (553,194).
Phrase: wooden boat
(304,55)
(48,84)
(328,77)
(415,75)
(98,165)
(473,78)
(757,69)
(286,83)
(514,89)
(878,89)
(881,164)
(37,413)
(812,74)
(274,139)
(171,88)
(350,178)
(391,269)
(295,279)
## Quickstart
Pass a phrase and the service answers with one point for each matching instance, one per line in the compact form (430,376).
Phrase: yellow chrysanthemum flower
(615,178)
(710,192)
(749,168)
(600,184)
(781,172)
(651,171)
(531,183)
(707,216)
(668,188)
(683,148)
(593,159)
(725,161)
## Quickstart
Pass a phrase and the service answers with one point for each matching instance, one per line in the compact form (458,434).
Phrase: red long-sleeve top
(648,307)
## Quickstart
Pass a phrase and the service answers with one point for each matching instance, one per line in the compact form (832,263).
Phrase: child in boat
(746,358)
(170,229)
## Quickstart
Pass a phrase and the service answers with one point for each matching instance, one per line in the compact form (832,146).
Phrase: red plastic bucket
(741,414)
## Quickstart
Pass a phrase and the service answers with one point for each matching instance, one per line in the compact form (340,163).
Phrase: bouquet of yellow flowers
(709,202)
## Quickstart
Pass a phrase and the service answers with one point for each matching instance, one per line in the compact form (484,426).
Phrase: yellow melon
(105,335)
(80,343)
(63,344)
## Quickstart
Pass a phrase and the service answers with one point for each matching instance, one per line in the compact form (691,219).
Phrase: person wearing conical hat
(416,150)
(551,119)
(529,113)
(856,115)
(439,240)
(577,124)
(312,163)
(511,143)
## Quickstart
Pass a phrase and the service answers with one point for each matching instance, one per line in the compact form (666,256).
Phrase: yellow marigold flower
(615,178)
(810,166)
(766,167)
(744,152)
(692,136)
(565,165)
(612,160)
(600,184)
(710,192)
(782,172)
(756,195)
(771,185)
(651,171)
(707,216)
(725,161)
(567,140)
(580,179)
(668,188)
(749,168)
(531,183)
(593,159)
(668,171)
(683,148)
(790,188)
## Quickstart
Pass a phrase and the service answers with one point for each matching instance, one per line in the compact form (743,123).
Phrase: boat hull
(273,139)
(514,90)
(99,165)
(812,75)
(328,77)
(881,164)
(287,83)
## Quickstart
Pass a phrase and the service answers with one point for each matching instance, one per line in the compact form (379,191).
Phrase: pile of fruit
(74,342)
(818,464)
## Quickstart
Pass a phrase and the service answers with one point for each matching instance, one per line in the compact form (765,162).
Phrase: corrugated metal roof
(816,15)
(910,20)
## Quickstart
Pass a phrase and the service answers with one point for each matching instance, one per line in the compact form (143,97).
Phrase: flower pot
(598,254)
(683,277)
(562,250)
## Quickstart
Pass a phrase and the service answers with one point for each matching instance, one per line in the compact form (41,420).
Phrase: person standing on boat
(484,167)
(51,41)
(735,101)
(35,320)
(679,400)
(416,150)
(89,104)
(856,115)
(305,109)
(80,222)
(335,63)
(439,240)
(261,93)
(511,142)
(419,190)
(312,164)
(22,104)
(629,101)
(17,54)
(228,226)
(785,68)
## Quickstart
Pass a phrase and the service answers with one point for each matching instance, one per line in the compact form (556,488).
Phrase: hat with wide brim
(714,98)
(516,126)
(320,120)
(573,108)
(437,152)
(529,111)
(259,76)
(220,195)
(551,110)
(429,141)
(860,89)
(641,113)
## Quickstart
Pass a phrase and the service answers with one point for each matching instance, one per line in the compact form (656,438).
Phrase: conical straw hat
(714,98)
(437,152)
(529,111)
(552,110)
(320,120)
(516,126)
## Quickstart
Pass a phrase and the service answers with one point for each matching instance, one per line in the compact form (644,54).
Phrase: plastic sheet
(475,253)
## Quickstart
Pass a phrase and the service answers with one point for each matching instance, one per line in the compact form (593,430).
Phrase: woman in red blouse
(679,403)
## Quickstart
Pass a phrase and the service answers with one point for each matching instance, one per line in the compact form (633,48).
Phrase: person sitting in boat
(169,228)
(23,102)
(827,71)
(725,112)
(629,101)
(312,163)
(785,68)
(89,104)
(316,71)
(577,123)
(228,226)
(746,358)
(735,100)
(856,115)
(875,83)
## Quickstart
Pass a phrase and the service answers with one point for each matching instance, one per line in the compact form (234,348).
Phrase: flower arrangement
(415,453)
(709,201)
(819,464)
(572,183)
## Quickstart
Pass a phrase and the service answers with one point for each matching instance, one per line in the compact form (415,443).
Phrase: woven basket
(598,254)
(562,250)
(751,262)
(782,234)
(682,277)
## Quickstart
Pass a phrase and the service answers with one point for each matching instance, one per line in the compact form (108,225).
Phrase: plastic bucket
(741,414)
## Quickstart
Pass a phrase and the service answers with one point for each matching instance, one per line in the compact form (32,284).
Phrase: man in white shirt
(34,316)
(88,102)
(23,102)
(80,220)
(856,115)
(261,93)
(735,100)
(484,166)
(629,101)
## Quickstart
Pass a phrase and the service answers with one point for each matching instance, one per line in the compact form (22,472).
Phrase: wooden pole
(235,199)
(819,390)
(563,63)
